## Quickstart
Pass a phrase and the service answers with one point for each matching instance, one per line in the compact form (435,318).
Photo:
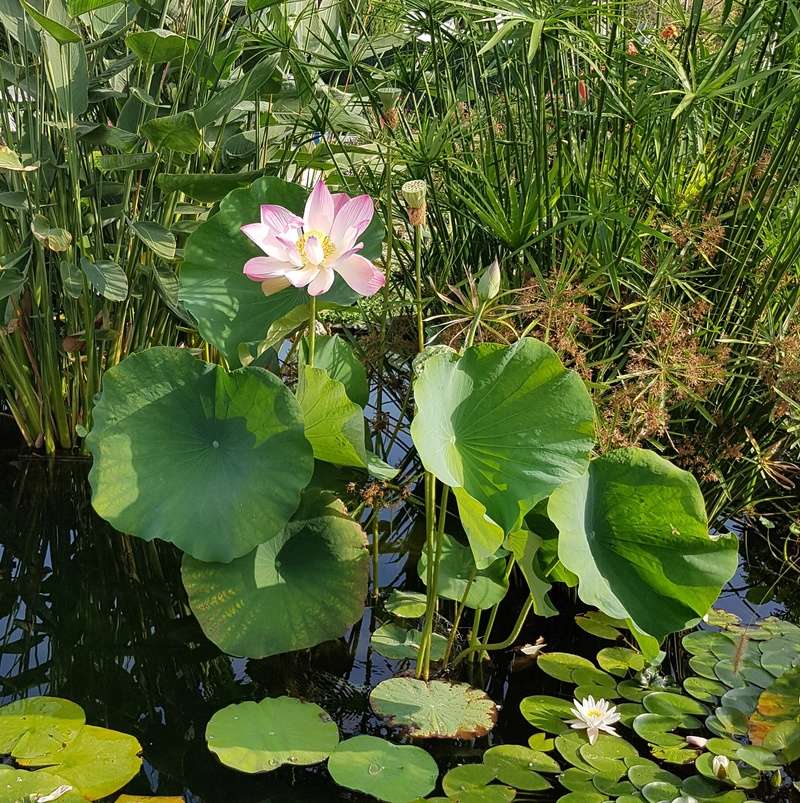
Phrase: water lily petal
(351,221)
(321,283)
(279,218)
(318,215)
(360,274)
(260,268)
(274,285)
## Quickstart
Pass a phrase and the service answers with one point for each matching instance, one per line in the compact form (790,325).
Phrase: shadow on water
(101,619)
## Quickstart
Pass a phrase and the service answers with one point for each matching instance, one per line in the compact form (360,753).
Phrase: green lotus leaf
(722,746)
(314,572)
(593,677)
(632,690)
(606,748)
(406,604)
(230,308)
(732,720)
(96,762)
(561,665)
(520,766)
(36,726)
(673,705)
(467,776)
(704,665)
(628,712)
(634,530)
(757,757)
(600,626)
(613,788)
(756,676)
(459,575)
(396,773)
(620,660)
(708,691)
(260,737)
(434,709)
(525,546)
(41,785)
(508,424)
(636,798)
(606,692)
(394,641)
(212,461)
(583,797)
(729,673)
(334,356)
(700,642)
(547,713)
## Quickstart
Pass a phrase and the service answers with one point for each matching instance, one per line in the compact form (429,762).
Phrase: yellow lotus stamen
(328,246)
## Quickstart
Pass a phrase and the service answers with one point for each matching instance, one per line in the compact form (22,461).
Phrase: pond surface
(101,619)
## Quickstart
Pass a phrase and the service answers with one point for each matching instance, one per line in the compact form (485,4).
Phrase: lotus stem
(500,645)
(462,603)
(493,615)
(312,330)
(418,279)
(423,662)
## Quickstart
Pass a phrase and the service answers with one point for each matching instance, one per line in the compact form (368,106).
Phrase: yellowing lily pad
(434,709)
(16,785)
(36,726)
(259,737)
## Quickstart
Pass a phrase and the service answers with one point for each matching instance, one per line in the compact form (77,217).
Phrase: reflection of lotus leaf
(396,773)
(259,737)
(97,761)
(184,451)
(434,709)
(302,587)
(23,785)
(38,725)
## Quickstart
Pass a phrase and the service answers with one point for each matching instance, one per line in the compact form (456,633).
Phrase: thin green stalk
(418,280)
(476,646)
(312,329)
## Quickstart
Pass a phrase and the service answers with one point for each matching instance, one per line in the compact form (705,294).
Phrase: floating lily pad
(569,746)
(396,773)
(184,451)
(658,730)
(467,776)
(634,529)
(673,705)
(36,726)
(642,774)
(577,780)
(434,709)
(508,424)
(674,755)
(620,660)
(494,793)
(314,572)
(562,665)
(97,762)
(709,691)
(259,737)
(394,641)
(541,742)
(21,785)
(520,766)
(774,723)
(547,713)
(406,604)
(598,624)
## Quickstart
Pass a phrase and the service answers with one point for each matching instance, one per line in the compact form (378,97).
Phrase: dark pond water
(99,618)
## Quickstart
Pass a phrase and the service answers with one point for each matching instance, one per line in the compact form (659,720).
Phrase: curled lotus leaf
(396,773)
(16,784)
(434,709)
(314,572)
(188,452)
(406,604)
(97,762)
(260,737)
(36,726)
(395,641)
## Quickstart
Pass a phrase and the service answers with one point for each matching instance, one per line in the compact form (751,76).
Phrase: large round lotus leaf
(457,573)
(38,725)
(302,587)
(334,356)
(230,308)
(547,713)
(96,762)
(520,766)
(259,737)
(394,641)
(21,785)
(634,530)
(434,709)
(508,424)
(397,773)
(184,451)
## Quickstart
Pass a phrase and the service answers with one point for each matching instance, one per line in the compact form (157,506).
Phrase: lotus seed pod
(489,284)
(414,193)
(390,97)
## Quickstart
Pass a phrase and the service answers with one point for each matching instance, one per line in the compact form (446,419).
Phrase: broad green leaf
(35,726)
(18,784)
(159,240)
(394,641)
(434,709)
(230,308)
(620,660)
(547,713)
(525,545)
(458,576)
(634,530)
(17,25)
(658,730)
(177,132)
(97,761)
(206,187)
(110,162)
(184,451)
(106,278)
(508,424)
(78,7)
(562,665)
(260,737)
(485,536)
(67,68)
(314,571)
(406,604)
(466,776)
(673,705)
(333,355)
(520,766)
(396,773)
(61,33)
(158,46)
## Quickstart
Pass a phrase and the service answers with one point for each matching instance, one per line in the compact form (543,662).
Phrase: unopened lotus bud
(697,741)
(719,766)
(414,196)
(489,283)
(776,780)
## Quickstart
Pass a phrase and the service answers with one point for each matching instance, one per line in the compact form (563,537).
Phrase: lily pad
(394,641)
(634,530)
(467,776)
(658,730)
(314,572)
(97,762)
(36,726)
(434,709)
(547,713)
(598,625)
(520,766)
(508,424)
(396,773)
(23,785)
(184,451)
(230,308)
(259,737)
(406,604)
(620,660)
(709,691)
(673,705)
(561,665)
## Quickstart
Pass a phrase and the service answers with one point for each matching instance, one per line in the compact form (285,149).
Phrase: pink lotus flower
(307,251)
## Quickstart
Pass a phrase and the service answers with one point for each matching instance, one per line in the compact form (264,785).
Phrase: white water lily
(594,716)
(697,741)
(719,766)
